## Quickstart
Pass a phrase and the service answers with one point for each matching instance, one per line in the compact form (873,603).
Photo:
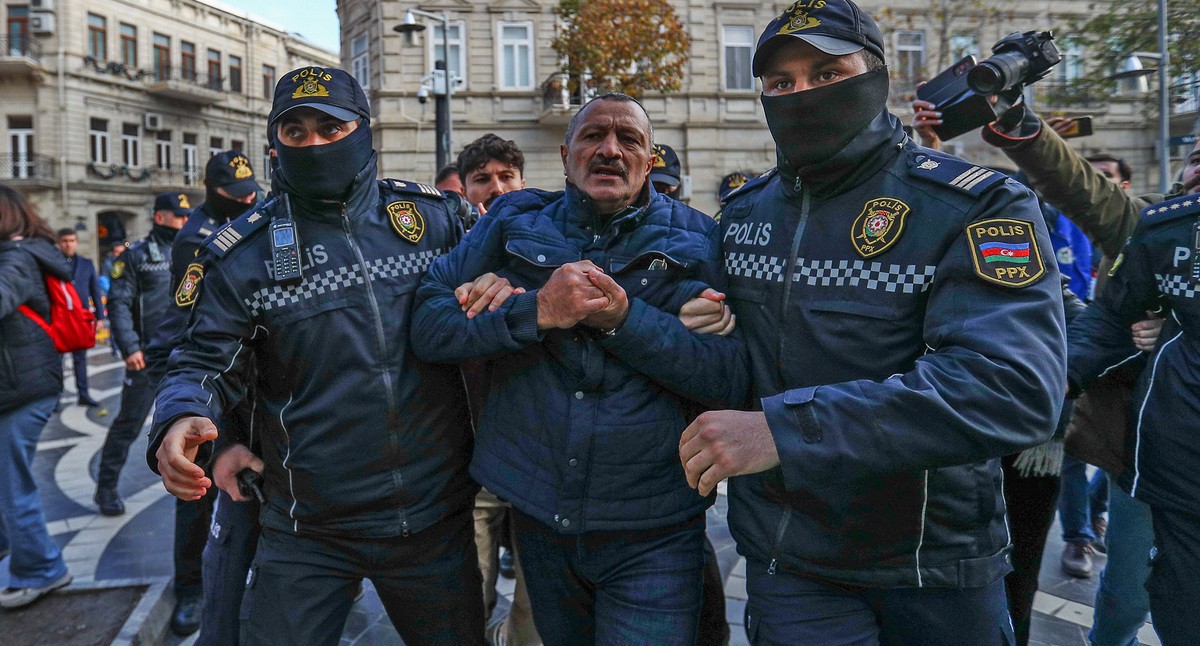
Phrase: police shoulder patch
(1005,252)
(878,226)
(406,220)
(750,186)
(1186,206)
(118,268)
(412,188)
(188,287)
(223,240)
(955,173)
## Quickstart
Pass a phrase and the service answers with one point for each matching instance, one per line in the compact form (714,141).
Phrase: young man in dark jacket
(905,323)
(593,377)
(87,285)
(30,383)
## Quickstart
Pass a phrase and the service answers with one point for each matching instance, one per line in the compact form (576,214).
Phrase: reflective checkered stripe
(151,267)
(860,273)
(749,265)
(331,280)
(838,273)
(1176,285)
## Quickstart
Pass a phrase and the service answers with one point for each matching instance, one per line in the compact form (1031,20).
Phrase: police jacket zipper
(379,334)
(792,262)
(783,523)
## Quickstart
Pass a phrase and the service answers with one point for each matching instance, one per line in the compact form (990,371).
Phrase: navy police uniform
(904,318)
(1158,270)
(365,446)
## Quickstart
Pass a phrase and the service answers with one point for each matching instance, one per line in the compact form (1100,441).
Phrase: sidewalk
(137,546)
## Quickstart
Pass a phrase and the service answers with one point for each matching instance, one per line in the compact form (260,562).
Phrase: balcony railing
(563,94)
(153,175)
(185,84)
(21,167)
(20,46)
(1051,93)
(1187,97)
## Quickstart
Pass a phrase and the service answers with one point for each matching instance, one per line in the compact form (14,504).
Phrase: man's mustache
(612,166)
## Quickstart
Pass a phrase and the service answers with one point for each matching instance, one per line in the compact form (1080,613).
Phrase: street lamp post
(444,119)
(1164,106)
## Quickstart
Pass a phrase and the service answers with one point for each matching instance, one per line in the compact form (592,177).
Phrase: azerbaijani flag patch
(1005,252)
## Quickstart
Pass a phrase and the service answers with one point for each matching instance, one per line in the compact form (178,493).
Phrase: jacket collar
(582,210)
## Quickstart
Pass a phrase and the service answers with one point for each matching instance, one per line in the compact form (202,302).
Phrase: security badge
(186,295)
(183,202)
(406,220)
(660,160)
(878,226)
(309,85)
(798,18)
(118,268)
(241,167)
(1005,252)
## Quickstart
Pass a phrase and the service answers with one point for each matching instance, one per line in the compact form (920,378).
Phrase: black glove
(1015,127)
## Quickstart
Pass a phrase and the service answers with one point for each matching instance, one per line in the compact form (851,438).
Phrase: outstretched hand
(182,477)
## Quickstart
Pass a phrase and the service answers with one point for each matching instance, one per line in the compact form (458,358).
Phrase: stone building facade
(508,81)
(105,103)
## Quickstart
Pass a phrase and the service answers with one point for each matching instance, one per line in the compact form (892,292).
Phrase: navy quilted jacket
(579,430)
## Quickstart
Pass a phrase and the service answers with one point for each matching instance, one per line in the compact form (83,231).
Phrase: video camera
(971,95)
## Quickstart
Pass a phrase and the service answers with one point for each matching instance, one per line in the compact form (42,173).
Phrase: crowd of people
(902,362)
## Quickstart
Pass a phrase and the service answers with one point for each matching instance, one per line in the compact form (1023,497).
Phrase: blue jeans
(1080,500)
(785,609)
(610,588)
(36,561)
(1121,599)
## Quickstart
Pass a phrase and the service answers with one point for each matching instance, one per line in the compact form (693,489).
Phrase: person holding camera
(906,330)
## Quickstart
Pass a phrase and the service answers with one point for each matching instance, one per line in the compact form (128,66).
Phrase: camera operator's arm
(1066,181)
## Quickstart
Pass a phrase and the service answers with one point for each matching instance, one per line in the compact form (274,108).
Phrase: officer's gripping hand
(229,464)
(725,443)
(182,477)
(569,296)
(135,361)
(488,291)
(614,314)
(708,314)
(1145,332)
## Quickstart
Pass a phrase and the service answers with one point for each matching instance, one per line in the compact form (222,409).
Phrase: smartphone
(1081,128)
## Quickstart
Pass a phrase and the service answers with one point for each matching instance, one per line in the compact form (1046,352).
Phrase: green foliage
(630,46)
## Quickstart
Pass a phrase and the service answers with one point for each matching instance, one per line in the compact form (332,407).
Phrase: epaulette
(412,188)
(232,232)
(752,185)
(1188,205)
(955,173)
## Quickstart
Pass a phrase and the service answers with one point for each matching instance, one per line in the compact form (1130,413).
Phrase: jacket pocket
(536,251)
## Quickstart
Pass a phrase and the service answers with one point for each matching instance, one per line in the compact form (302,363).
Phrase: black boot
(109,502)
(186,618)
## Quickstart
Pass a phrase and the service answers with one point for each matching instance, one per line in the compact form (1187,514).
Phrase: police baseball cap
(327,89)
(176,203)
(730,182)
(231,170)
(666,166)
(836,27)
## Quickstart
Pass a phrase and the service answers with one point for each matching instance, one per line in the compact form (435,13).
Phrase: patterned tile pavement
(138,544)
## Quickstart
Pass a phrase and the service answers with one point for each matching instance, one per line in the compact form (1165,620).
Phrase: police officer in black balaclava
(905,324)
(301,306)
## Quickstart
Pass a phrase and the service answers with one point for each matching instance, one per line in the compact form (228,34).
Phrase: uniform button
(541,258)
(645,281)
(579,394)
(556,518)
(566,522)
(573,462)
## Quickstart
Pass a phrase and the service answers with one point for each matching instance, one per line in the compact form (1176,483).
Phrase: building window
(162,57)
(1071,66)
(237,145)
(20,138)
(516,55)
(265,172)
(215,146)
(98,140)
(739,49)
(235,74)
(97,37)
(457,63)
(268,79)
(360,61)
(128,45)
(131,145)
(910,55)
(162,149)
(214,69)
(18,30)
(191,160)
(187,60)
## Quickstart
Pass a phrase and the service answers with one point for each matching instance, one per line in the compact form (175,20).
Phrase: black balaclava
(812,126)
(325,172)
(222,207)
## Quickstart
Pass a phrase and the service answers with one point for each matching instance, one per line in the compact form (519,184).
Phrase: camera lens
(985,78)
(998,73)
